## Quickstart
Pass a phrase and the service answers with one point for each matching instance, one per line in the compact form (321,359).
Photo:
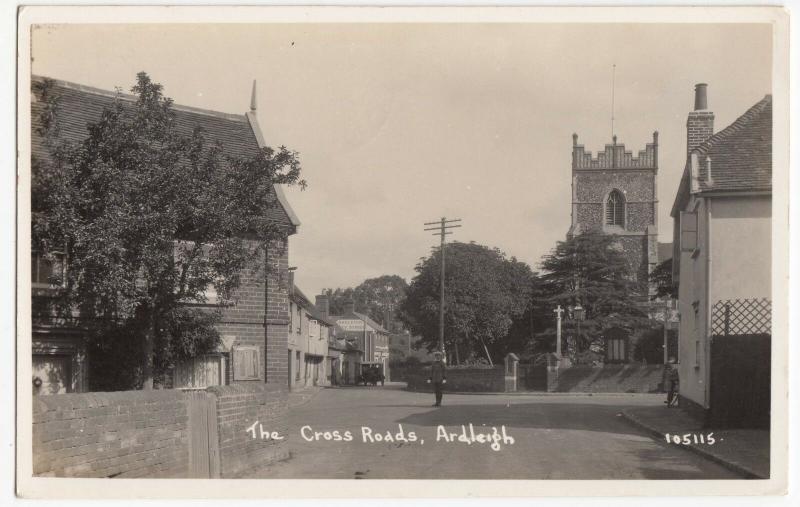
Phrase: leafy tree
(485,292)
(379,298)
(661,277)
(590,269)
(150,217)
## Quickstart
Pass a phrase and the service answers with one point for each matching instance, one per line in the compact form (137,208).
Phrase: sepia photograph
(516,245)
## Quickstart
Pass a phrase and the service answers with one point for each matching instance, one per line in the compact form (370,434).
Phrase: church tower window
(615,209)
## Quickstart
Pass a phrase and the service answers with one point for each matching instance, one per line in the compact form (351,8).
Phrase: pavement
(743,451)
(387,432)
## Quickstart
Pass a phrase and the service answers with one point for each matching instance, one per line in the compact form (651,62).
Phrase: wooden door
(203,436)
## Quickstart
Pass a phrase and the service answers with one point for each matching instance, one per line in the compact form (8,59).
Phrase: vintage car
(371,374)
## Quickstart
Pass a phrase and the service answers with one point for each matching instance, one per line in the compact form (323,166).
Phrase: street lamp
(578,314)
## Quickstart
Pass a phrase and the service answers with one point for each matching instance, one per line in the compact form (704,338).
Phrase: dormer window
(615,209)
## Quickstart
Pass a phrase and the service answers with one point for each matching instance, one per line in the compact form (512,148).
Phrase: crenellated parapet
(615,156)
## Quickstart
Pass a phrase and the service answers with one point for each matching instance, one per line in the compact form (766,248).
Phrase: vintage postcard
(439,251)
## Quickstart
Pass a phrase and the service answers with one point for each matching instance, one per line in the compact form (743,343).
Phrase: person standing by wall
(438,377)
(670,380)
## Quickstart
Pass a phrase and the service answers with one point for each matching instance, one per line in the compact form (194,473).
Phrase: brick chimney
(349,307)
(700,124)
(323,305)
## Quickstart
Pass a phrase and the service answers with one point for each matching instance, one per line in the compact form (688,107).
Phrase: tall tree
(661,277)
(379,298)
(484,293)
(590,270)
(150,217)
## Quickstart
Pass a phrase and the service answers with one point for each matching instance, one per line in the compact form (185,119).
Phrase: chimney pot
(700,97)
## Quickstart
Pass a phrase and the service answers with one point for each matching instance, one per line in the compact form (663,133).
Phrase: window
(47,270)
(299,320)
(297,365)
(615,209)
(688,231)
(184,252)
(200,372)
(246,363)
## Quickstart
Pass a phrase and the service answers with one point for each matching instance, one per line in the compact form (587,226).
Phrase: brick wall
(629,378)
(462,379)
(123,434)
(246,319)
(147,433)
(238,408)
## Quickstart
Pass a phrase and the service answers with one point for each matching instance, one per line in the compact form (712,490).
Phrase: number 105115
(691,438)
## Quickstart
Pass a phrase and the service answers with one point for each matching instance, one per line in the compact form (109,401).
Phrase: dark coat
(438,372)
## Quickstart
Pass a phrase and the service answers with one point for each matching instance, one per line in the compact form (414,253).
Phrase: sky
(401,124)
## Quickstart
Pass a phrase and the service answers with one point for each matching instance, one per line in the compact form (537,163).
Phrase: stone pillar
(512,362)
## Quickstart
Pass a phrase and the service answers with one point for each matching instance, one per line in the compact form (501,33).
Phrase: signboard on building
(352,324)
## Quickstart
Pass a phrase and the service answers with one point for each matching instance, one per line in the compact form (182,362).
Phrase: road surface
(554,437)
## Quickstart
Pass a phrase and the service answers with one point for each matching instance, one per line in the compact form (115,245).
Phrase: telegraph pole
(442,226)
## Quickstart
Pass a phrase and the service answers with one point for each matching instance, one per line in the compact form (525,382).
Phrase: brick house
(721,267)
(254,330)
(615,192)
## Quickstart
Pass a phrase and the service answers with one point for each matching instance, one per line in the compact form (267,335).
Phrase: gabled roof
(80,105)
(740,157)
(741,154)
(371,323)
(302,300)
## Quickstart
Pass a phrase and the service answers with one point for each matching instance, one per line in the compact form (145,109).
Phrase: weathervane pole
(613,83)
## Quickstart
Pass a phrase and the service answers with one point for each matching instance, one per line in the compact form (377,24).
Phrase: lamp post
(578,313)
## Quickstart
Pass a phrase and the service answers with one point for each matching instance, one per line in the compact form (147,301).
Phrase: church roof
(78,106)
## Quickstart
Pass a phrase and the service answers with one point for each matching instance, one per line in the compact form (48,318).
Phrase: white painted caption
(466,434)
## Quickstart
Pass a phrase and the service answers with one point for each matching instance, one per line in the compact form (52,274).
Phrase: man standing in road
(438,377)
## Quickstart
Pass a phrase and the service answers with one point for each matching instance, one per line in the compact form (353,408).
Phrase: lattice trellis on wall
(741,317)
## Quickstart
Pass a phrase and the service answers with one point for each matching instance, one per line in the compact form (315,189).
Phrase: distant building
(362,335)
(346,355)
(722,265)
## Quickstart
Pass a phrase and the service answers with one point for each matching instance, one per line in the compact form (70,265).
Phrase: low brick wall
(121,434)
(148,433)
(239,407)
(468,379)
(610,378)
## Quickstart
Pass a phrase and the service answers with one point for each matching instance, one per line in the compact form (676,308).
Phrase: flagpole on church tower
(613,83)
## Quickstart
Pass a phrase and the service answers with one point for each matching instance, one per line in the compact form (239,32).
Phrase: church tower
(615,192)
